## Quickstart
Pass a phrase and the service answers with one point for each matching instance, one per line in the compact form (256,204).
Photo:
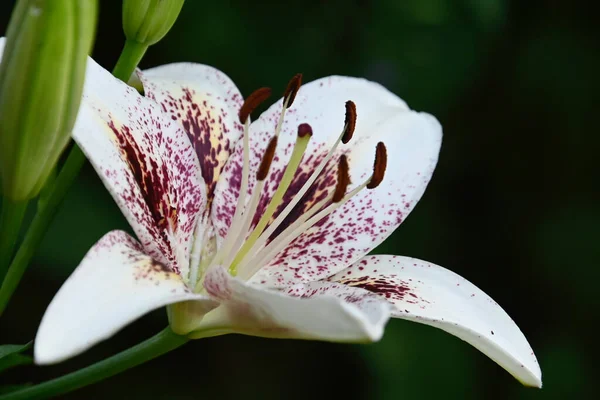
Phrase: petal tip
(530,377)
(47,353)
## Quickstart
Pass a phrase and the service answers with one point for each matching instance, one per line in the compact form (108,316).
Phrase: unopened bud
(42,70)
(148,21)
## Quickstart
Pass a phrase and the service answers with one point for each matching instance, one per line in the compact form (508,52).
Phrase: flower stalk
(10,223)
(159,344)
(132,54)
(40,224)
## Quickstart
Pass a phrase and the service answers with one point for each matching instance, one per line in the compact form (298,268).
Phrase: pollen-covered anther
(343,180)
(378,166)
(265,163)
(304,129)
(255,99)
(350,121)
(291,90)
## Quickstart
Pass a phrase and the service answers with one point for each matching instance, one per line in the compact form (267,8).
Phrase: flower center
(246,251)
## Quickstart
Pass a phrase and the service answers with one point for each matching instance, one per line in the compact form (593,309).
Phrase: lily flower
(263,228)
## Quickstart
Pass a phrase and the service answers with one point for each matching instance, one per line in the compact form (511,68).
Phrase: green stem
(128,61)
(10,225)
(130,57)
(159,344)
(40,224)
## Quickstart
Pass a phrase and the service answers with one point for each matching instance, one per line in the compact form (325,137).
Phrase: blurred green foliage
(513,205)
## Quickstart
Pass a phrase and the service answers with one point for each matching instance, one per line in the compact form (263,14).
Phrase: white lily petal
(147,163)
(432,295)
(2,42)
(299,312)
(206,102)
(115,284)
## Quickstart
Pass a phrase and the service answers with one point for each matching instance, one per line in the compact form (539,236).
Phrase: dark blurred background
(513,205)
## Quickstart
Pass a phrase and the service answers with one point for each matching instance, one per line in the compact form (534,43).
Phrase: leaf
(10,355)
(4,389)
(8,349)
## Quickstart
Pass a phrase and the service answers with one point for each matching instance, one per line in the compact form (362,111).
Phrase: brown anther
(343,179)
(254,100)
(378,166)
(292,90)
(304,129)
(350,122)
(265,164)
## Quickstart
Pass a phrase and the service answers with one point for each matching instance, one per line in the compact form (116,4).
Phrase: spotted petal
(432,295)
(147,163)
(413,141)
(206,102)
(115,284)
(298,312)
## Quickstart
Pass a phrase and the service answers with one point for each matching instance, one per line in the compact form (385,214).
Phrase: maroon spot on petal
(381,286)
(208,132)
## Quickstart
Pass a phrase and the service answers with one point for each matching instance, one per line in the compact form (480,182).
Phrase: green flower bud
(148,21)
(42,71)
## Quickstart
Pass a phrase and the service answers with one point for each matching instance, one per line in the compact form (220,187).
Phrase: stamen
(240,210)
(342,181)
(201,238)
(292,90)
(265,164)
(240,234)
(302,140)
(379,166)
(296,199)
(254,100)
(301,225)
(236,236)
(251,265)
(253,262)
(288,98)
(350,122)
